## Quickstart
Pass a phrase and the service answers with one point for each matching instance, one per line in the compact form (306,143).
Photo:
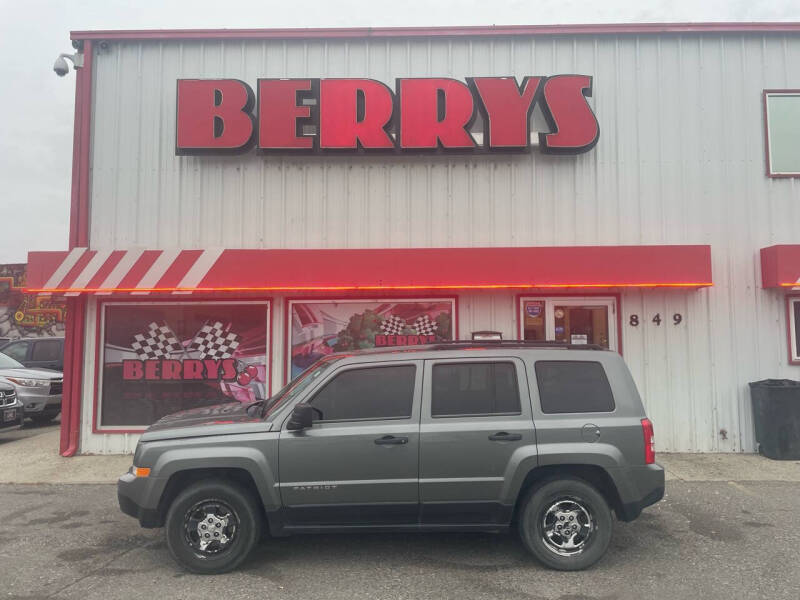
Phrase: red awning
(780,266)
(184,271)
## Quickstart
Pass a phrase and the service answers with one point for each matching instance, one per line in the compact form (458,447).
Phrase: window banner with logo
(162,357)
(321,327)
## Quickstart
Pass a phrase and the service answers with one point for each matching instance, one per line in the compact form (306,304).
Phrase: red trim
(447,31)
(96,428)
(789,332)
(367,269)
(617,296)
(766,133)
(73,353)
(325,298)
(78,237)
(780,266)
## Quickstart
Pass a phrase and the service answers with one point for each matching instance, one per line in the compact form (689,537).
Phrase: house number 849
(677,318)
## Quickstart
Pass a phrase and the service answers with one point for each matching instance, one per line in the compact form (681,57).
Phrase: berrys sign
(217,116)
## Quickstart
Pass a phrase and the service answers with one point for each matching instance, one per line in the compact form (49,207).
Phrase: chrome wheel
(567,526)
(210,527)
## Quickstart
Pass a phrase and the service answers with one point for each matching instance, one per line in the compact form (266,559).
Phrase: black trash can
(776,413)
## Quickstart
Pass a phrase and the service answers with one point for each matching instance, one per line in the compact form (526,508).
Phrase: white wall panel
(680,160)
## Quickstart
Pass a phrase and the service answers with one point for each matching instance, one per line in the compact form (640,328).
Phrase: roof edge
(445,31)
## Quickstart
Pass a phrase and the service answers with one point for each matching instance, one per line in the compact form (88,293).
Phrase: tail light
(649,442)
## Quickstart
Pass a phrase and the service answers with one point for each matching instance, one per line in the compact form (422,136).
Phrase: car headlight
(29,382)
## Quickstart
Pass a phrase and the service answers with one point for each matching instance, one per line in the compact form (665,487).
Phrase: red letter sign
(353,113)
(213,115)
(281,115)
(569,115)
(435,111)
(506,109)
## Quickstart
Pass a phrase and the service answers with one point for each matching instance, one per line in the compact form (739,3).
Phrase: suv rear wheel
(566,524)
(212,525)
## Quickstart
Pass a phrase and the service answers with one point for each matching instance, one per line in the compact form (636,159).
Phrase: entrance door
(570,319)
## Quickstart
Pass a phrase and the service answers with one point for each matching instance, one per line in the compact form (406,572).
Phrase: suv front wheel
(212,525)
(566,524)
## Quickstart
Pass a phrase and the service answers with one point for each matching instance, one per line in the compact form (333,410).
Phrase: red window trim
(99,429)
(546,293)
(326,298)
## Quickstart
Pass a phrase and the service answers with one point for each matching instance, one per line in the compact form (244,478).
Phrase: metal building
(672,236)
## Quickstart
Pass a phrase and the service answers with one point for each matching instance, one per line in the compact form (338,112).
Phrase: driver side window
(371,393)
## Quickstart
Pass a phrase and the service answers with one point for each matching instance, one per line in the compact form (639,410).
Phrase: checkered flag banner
(213,341)
(424,326)
(393,325)
(158,342)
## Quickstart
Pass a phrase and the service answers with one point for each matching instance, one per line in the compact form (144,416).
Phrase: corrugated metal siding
(680,160)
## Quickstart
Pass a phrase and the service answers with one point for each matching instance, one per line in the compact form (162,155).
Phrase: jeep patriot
(546,439)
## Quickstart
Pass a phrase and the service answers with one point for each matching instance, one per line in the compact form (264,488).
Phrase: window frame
(45,342)
(23,343)
(613,301)
(765,94)
(99,349)
(311,394)
(480,361)
(791,330)
(558,414)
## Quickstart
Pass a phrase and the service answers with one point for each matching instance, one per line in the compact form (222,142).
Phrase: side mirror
(302,417)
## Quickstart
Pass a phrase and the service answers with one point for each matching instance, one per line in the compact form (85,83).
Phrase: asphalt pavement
(709,540)
(29,429)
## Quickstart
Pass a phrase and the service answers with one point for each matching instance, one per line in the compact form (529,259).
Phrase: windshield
(6,362)
(301,382)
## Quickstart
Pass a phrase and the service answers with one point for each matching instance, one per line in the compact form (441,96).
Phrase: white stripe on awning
(157,270)
(199,269)
(65,267)
(118,273)
(89,271)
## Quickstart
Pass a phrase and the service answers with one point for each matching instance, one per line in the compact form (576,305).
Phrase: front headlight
(29,382)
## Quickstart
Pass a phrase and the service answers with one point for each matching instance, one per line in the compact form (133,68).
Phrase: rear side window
(16,351)
(464,389)
(573,387)
(367,394)
(46,350)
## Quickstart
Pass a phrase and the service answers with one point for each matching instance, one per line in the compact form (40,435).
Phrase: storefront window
(794,329)
(573,320)
(320,327)
(162,357)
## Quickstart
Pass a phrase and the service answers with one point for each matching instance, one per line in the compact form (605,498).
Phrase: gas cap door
(590,432)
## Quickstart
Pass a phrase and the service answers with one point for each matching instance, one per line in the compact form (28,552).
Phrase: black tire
(243,512)
(570,495)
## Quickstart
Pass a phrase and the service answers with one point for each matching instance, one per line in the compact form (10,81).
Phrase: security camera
(61,67)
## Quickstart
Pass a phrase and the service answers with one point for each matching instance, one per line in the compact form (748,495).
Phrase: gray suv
(546,439)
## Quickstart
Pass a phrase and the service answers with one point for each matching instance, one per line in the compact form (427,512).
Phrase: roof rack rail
(448,344)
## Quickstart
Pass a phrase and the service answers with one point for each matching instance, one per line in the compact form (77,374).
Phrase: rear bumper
(645,487)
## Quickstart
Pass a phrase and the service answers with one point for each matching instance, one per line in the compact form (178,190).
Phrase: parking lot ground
(709,540)
(29,430)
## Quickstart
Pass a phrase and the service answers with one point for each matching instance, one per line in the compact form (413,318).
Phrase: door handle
(504,436)
(390,440)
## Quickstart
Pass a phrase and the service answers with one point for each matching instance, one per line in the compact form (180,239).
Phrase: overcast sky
(36,107)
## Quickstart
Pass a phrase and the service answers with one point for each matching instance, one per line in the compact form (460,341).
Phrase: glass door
(574,320)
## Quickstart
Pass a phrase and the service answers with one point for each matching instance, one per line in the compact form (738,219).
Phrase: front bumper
(39,401)
(131,494)
(11,416)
